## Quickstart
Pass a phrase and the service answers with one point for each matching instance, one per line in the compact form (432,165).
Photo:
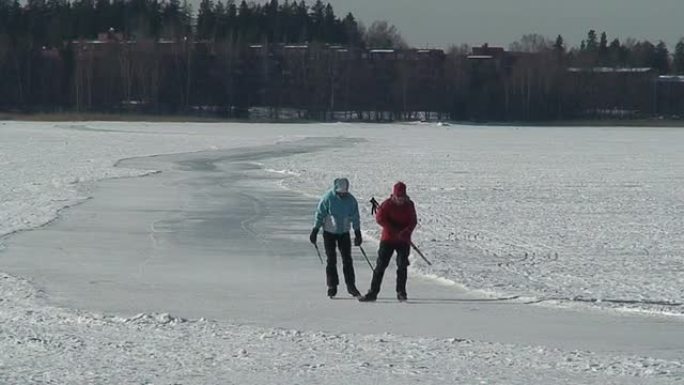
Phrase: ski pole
(366,256)
(318,252)
(421,254)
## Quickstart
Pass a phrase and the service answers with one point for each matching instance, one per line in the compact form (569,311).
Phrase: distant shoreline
(85,117)
(584,123)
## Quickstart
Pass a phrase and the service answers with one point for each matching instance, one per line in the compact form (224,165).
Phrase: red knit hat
(399,190)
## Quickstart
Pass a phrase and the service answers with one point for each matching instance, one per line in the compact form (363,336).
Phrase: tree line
(292,57)
(597,50)
(50,23)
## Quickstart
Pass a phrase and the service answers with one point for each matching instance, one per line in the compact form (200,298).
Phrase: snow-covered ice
(561,216)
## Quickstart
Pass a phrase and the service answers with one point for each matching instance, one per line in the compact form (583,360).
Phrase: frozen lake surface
(212,235)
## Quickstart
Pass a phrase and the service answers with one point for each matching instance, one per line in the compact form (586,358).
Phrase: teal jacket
(337,214)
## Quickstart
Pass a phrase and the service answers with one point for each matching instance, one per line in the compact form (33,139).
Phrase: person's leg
(332,279)
(344,243)
(403,252)
(384,255)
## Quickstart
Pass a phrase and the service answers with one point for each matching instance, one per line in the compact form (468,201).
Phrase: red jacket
(397,221)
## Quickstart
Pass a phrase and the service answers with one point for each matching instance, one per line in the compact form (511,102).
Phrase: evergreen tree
(331,32)
(271,22)
(661,58)
(228,17)
(559,45)
(303,23)
(591,44)
(617,54)
(206,20)
(603,49)
(353,35)
(317,17)
(643,54)
(679,57)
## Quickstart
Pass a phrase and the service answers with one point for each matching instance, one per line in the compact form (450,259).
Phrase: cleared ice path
(214,236)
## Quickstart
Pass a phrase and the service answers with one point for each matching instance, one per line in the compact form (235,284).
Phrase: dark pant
(343,242)
(384,255)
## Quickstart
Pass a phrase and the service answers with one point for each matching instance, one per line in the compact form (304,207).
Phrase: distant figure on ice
(337,212)
(397,216)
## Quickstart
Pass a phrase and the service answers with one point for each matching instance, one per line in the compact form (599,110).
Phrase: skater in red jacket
(397,216)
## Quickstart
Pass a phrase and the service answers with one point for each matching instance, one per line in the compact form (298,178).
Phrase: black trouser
(343,242)
(384,255)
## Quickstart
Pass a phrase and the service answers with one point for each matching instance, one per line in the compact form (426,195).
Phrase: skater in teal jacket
(338,213)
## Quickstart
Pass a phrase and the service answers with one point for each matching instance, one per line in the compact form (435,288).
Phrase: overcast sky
(440,23)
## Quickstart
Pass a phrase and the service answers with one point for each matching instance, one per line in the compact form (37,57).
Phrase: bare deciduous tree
(531,43)
(383,35)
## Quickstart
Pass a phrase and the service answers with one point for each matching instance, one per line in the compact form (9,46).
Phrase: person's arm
(356,224)
(355,217)
(382,217)
(321,212)
(413,219)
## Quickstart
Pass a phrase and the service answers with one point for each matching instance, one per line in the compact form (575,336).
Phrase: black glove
(374,206)
(357,238)
(314,235)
